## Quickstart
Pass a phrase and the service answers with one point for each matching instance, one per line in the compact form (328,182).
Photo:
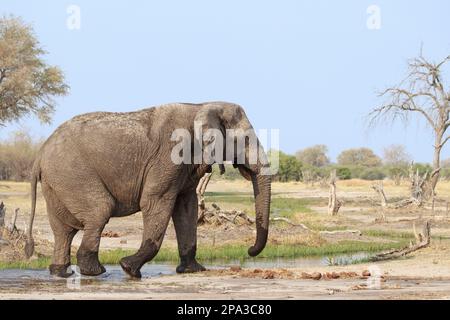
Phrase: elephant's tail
(35,177)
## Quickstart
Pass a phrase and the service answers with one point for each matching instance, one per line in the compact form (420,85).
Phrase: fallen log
(404,203)
(341,232)
(290,222)
(423,241)
(219,216)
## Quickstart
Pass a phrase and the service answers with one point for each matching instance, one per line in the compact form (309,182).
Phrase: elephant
(102,165)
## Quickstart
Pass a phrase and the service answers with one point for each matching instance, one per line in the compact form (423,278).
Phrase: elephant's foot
(60,270)
(88,263)
(190,267)
(131,266)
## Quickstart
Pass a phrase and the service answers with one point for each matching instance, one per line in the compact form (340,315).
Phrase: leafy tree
(363,157)
(289,168)
(315,156)
(27,83)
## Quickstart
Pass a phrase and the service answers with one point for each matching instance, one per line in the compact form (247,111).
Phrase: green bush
(373,174)
(422,168)
(343,173)
(356,171)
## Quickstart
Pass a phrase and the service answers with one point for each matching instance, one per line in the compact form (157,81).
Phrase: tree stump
(422,186)
(2,214)
(333,203)
(201,188)
(12,225)
(379,188)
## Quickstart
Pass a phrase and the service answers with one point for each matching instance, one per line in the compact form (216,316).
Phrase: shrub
(17,155)
(422,168)
(343,173)
(373,174)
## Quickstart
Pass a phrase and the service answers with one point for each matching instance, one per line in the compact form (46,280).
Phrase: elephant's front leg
(156,212)
(185,222)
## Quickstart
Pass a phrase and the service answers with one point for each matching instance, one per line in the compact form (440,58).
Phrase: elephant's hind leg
(61,255)
(63,234)
(87,255)
(185,222)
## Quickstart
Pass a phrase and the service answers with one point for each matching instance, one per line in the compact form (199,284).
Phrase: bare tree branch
(445,141)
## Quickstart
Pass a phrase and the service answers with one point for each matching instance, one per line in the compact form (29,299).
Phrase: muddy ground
(424,274)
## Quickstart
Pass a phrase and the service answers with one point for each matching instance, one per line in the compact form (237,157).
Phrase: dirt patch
(288,274)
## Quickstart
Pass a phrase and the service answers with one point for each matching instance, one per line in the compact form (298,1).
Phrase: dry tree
(423,93)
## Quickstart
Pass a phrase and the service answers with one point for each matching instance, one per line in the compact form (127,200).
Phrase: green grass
(285,207)
(229,252)
(39,263)
(388,234)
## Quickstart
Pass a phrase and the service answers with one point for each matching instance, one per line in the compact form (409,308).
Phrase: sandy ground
(422,275)
(213,287)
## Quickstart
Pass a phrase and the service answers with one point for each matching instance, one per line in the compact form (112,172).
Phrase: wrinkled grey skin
(102,165)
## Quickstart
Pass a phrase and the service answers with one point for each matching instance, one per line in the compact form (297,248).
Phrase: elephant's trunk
(261,189)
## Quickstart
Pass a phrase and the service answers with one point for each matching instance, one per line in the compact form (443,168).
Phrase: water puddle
(11,279)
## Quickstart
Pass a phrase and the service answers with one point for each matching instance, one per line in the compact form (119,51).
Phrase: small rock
(316,276)
(359,287)
(335,275)
(347,275)
(257,271)
(305,275)
(313,276)
(110,234)
(123,241)
(235,268)
(366,273)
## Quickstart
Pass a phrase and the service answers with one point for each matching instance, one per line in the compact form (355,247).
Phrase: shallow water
(21,278)
(297,262)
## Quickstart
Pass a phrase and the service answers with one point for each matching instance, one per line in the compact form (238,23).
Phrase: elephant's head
(228,122)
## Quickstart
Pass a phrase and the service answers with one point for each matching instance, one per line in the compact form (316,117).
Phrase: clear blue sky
(309,68)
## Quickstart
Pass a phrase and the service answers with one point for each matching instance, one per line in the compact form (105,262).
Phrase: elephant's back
(111,146)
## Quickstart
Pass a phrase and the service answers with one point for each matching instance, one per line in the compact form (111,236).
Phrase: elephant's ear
(208,127)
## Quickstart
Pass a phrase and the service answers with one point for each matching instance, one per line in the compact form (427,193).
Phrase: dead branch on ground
(422,241)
